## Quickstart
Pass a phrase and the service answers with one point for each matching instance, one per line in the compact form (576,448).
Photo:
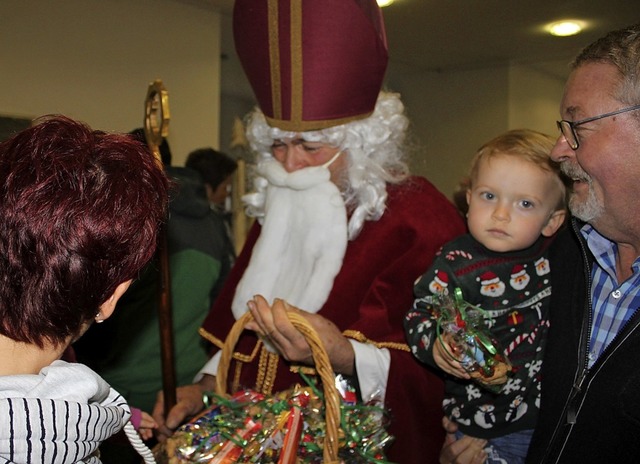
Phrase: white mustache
(302,179)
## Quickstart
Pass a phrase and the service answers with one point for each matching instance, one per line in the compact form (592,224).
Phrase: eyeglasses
(568,128)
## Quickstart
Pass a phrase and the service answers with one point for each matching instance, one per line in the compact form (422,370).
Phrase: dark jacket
(126,349)
(587,415)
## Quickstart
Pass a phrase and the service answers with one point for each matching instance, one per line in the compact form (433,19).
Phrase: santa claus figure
(491,285)
(542,266)
(440,283)
(342,230)
(519,277)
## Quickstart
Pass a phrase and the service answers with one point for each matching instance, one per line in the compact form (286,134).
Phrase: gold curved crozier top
(156,116)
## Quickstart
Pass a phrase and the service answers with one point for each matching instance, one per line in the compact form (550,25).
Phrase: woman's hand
(273,323)
(188,403)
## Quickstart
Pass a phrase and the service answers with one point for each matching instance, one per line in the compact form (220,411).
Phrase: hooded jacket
(59,416)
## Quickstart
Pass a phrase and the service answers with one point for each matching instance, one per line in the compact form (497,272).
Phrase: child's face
(511,203)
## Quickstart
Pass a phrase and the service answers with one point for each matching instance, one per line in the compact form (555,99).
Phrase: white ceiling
(442,35)
(454,35)
(450,35)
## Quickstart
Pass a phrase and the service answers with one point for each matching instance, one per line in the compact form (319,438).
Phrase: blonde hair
(375,149)
(526,144)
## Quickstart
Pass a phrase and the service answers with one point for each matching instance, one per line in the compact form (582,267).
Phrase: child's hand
(498,377)
(445,358)
(143,423)
(147,425)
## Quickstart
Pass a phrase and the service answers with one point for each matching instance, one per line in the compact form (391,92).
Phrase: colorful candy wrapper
(462,328)
(284,428)
(292,437)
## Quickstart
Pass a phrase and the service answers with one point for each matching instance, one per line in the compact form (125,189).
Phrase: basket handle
(322,365)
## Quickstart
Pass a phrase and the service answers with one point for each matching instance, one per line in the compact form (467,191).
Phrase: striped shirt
(613,303)
(59,416)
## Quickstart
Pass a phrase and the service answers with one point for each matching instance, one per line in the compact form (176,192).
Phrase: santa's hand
(188,403)
(274,324)
(446,359)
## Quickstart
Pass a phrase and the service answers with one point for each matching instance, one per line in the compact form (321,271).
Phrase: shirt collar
(604,250)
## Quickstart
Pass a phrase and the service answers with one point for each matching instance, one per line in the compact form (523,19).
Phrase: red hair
(80,210)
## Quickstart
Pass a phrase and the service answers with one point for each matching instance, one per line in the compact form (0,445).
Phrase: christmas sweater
(514,288)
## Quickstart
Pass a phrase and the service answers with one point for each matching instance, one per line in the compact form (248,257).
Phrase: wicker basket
(323,367)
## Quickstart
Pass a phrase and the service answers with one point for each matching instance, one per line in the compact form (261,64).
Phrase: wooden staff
(239,150)
(156,127)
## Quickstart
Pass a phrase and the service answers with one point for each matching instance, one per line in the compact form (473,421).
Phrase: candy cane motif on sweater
(451,256)
(530,337)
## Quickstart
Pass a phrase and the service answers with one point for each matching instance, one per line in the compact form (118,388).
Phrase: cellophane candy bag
(462,328)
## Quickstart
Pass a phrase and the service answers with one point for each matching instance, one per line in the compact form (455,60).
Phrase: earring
(99,320)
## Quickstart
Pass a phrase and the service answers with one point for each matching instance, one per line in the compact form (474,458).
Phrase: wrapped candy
(297,425)
(462,329)
(284,428)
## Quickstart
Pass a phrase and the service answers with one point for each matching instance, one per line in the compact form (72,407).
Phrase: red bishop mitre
(312,64)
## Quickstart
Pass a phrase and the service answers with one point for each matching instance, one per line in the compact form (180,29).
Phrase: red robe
(370,296)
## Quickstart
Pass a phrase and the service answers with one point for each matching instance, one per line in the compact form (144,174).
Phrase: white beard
(302,243)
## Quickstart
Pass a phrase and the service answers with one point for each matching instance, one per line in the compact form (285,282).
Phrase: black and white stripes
(40,429)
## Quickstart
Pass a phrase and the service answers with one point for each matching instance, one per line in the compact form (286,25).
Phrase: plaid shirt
(613,304)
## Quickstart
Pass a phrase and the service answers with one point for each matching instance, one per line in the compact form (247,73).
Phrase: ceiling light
(383,3)
(565,28)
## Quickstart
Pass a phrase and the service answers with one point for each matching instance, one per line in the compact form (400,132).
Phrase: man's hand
(466,450)
(273,323)
(188,403)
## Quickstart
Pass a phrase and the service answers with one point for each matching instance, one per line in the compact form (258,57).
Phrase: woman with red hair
(81,210)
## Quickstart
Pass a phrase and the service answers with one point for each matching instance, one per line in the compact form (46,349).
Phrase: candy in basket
(461,327)
(286,427)
(300,425)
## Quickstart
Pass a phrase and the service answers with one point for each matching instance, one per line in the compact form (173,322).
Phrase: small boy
(516,203)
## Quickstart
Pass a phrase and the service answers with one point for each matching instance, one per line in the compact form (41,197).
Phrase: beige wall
(450,113)
(534,98)
(454,113)
(93,60)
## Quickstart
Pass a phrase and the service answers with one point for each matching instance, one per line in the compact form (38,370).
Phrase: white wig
(376,157)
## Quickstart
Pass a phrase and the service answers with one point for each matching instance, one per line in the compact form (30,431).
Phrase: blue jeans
(509,449)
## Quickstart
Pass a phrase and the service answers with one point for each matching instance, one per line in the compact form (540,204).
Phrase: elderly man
(590,402)
(590,407)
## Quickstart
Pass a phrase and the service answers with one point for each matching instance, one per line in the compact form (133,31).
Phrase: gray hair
(620,48)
